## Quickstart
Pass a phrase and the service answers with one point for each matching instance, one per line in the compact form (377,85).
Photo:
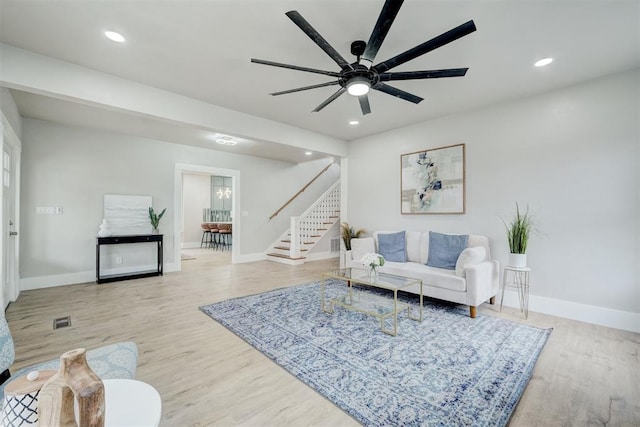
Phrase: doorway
(11,150)
(204,179)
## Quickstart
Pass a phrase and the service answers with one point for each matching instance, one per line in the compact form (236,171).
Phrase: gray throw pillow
(444,249)
(393,247)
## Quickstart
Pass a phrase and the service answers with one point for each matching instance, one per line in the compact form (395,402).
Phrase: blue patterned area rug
(448,369)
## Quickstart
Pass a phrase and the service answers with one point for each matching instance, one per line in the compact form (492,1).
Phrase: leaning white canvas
(128,215)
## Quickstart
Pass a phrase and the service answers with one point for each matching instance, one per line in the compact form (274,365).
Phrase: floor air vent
(61,322)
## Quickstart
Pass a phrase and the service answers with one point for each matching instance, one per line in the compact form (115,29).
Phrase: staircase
(307,229)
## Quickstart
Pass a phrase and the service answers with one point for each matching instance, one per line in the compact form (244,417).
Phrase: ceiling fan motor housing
(358,71)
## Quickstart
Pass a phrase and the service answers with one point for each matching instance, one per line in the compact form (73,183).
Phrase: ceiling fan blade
(304,88)
(318,39)
(429,74)
(295,67)
(380,30)
(428,46)
(330,99)
(397,93)
(364,104)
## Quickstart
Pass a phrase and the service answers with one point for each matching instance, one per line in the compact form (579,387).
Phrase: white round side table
(131,403)
(516,277)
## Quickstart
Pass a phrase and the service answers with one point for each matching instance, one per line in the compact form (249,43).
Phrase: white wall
(572,155)
(74,167)
(10,111)
(196,196)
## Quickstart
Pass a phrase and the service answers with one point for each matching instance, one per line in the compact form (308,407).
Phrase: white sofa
(477,283)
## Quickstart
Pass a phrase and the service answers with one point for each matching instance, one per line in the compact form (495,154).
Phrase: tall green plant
(349,233)
(519,230)
(154,218)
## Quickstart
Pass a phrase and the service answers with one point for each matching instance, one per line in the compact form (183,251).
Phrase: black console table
(118,240)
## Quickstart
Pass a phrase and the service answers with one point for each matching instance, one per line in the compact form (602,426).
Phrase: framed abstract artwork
(432,181)
(127,215)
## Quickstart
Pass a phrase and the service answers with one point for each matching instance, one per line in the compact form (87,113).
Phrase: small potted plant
(349,233)
(155,219)
(518,232)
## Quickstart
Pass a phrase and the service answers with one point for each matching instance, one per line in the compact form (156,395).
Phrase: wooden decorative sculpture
(74,380)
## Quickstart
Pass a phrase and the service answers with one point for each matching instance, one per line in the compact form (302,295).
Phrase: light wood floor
(586,375)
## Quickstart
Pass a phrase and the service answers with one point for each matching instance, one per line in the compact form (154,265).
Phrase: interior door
(9,226)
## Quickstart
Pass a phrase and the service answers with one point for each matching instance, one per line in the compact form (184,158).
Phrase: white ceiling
(202,49)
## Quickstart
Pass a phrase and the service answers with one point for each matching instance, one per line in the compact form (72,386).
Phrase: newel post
(294,250)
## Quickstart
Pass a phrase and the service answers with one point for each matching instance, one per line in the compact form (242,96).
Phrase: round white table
(131,403)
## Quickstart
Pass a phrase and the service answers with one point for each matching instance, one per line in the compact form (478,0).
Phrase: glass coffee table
(369,303)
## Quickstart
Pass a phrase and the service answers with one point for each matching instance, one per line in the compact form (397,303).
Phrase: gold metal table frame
(373,305)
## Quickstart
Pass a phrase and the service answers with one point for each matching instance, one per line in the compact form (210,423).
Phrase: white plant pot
(518,260)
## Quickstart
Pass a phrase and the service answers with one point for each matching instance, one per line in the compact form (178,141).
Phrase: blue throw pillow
(444,249)
(393,247)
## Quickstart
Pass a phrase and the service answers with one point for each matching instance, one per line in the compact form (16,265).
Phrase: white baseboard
(603,316)
(41,282)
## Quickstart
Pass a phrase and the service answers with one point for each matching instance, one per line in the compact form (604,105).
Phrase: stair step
(304,243)
(285,248)
(284,256)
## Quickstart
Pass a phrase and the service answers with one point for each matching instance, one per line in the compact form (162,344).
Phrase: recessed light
(308,153)
(226,140)
(354,122)
(113,36)
(543,62)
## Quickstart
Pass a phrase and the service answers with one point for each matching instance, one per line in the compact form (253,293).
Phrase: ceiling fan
(358,77)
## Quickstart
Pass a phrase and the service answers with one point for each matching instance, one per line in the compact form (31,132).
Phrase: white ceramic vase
(518,260)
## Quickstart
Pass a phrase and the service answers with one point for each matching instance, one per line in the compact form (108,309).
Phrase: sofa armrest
(482,282)
(350,262)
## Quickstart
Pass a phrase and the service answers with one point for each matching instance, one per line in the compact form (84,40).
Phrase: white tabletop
(131,403)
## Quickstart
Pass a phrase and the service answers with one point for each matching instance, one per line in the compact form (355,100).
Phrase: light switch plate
(45,210)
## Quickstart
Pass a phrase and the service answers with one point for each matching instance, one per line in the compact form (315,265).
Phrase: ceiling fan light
(358,86)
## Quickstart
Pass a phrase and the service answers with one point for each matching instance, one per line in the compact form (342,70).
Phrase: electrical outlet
(118,260)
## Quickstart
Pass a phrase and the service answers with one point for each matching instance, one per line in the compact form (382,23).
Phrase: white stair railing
(314,221)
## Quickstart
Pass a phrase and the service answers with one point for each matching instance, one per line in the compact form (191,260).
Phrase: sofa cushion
(444,249)
(475,240)
(437,277)
(413,246)
(469,257)
(361,246)
(393,246)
